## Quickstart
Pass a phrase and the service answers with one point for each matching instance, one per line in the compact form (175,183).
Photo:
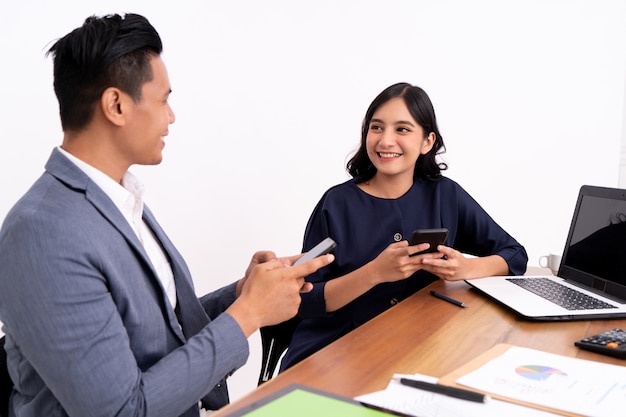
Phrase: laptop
(593,266)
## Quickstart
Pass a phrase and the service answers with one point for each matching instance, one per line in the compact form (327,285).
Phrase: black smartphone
(322,248)
(432,236)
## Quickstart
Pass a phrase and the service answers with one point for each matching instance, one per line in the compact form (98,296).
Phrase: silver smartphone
(322,248)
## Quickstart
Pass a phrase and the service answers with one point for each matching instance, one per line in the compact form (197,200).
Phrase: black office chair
(6,385)
(275,340)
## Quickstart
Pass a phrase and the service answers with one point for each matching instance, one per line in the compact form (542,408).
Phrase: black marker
(445,390)
(448,299)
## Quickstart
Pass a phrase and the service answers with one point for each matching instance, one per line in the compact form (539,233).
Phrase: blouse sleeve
(478,234)
(313,303)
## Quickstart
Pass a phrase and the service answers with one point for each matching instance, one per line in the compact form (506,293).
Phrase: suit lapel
(106,207)
(192,315)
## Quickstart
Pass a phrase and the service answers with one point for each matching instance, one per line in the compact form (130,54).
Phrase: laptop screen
(595,252)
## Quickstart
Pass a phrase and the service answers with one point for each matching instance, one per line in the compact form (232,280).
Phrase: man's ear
(428,143)
(114,104)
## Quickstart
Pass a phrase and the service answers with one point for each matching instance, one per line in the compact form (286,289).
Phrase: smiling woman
(398,143)
(393,146)
(397,187)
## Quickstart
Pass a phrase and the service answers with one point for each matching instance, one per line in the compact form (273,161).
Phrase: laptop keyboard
(562,295)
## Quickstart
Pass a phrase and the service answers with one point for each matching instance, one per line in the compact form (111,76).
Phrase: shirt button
(397,237)
(393,301)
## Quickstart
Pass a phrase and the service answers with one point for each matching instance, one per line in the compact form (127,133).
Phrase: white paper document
(416,402)
(559,382)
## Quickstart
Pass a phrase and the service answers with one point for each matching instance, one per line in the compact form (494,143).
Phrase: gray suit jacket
(89,329)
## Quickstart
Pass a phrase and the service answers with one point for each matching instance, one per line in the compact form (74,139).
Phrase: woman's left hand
(453,266)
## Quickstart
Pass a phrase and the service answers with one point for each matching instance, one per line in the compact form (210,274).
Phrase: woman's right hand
(395,263)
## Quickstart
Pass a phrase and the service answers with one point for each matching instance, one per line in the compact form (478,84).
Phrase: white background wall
(269,98)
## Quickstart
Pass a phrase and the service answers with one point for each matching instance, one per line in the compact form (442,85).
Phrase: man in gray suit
(99,310)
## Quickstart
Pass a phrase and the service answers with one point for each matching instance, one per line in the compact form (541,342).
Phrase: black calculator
(611,342)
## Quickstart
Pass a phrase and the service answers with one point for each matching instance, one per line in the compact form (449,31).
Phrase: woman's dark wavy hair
(108,51)
(422,110)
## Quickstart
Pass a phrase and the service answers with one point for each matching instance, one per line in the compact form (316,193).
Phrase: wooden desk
(424,334)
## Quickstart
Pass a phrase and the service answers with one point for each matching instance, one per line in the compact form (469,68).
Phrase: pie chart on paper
(537,372)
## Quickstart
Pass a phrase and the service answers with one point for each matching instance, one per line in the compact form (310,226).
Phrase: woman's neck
(386,187)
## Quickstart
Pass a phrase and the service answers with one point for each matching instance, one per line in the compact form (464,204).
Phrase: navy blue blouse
(363,226)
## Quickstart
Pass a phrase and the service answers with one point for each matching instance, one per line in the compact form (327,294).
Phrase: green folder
(302,401)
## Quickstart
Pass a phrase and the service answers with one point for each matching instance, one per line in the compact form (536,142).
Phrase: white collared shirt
(127,197)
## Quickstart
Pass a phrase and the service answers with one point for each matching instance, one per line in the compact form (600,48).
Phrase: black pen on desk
(386,410)
(460,393)
(448,299)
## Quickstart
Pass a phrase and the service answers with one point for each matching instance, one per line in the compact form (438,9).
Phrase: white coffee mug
(551,261)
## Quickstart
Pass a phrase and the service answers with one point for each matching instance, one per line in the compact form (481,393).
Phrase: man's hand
(270,291)
(257,259)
